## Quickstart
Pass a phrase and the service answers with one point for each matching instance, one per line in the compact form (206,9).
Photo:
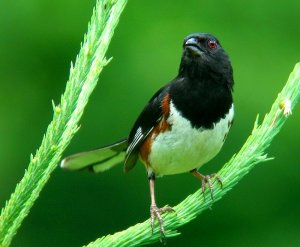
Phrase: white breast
(185,148)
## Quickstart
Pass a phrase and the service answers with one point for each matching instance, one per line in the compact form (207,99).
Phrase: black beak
(192,45)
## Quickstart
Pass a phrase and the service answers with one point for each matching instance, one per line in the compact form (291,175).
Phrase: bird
(182,127)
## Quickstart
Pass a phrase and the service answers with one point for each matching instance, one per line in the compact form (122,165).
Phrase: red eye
(212,44)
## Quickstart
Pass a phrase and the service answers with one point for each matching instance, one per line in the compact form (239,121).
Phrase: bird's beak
(193,46)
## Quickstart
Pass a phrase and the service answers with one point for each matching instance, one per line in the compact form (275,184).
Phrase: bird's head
(204,56)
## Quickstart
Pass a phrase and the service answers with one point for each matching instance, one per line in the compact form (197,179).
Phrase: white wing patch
(139,136)
(136,139)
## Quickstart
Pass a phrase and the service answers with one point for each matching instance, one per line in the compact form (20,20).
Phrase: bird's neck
(192,70)
(198,71)
(202,94)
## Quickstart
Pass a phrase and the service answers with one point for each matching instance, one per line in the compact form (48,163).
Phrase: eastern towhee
(183,126)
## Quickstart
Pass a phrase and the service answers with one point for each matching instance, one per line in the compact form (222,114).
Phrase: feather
(97,160)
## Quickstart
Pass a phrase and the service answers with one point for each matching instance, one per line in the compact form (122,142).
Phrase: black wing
(146,121)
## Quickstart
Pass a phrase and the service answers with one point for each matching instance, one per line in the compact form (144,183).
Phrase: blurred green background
(38,39)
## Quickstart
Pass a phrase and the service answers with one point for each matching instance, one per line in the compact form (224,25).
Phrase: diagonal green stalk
(82,81)
(251,153)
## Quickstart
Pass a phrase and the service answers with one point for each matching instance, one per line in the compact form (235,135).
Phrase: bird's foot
(206,182)
(156,213)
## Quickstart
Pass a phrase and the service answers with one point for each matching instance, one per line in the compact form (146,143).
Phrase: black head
(203,57)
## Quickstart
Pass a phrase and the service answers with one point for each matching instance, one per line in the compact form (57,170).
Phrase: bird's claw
(206,182)
(155,213)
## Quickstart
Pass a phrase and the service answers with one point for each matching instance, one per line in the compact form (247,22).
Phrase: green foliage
(251,153)
(82,81)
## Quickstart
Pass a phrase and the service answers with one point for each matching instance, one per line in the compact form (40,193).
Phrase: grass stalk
(82,81)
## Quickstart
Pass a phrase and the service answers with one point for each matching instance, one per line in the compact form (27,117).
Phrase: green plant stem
(251,153)
(83,79)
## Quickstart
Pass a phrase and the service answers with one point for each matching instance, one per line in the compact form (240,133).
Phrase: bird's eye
(212,44)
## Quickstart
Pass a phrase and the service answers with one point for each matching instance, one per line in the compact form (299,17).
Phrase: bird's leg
(156,212)
(206,181)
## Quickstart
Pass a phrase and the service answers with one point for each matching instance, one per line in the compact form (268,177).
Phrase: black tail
(97,160)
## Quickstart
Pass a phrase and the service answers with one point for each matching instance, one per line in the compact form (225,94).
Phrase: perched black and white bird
(183,126)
